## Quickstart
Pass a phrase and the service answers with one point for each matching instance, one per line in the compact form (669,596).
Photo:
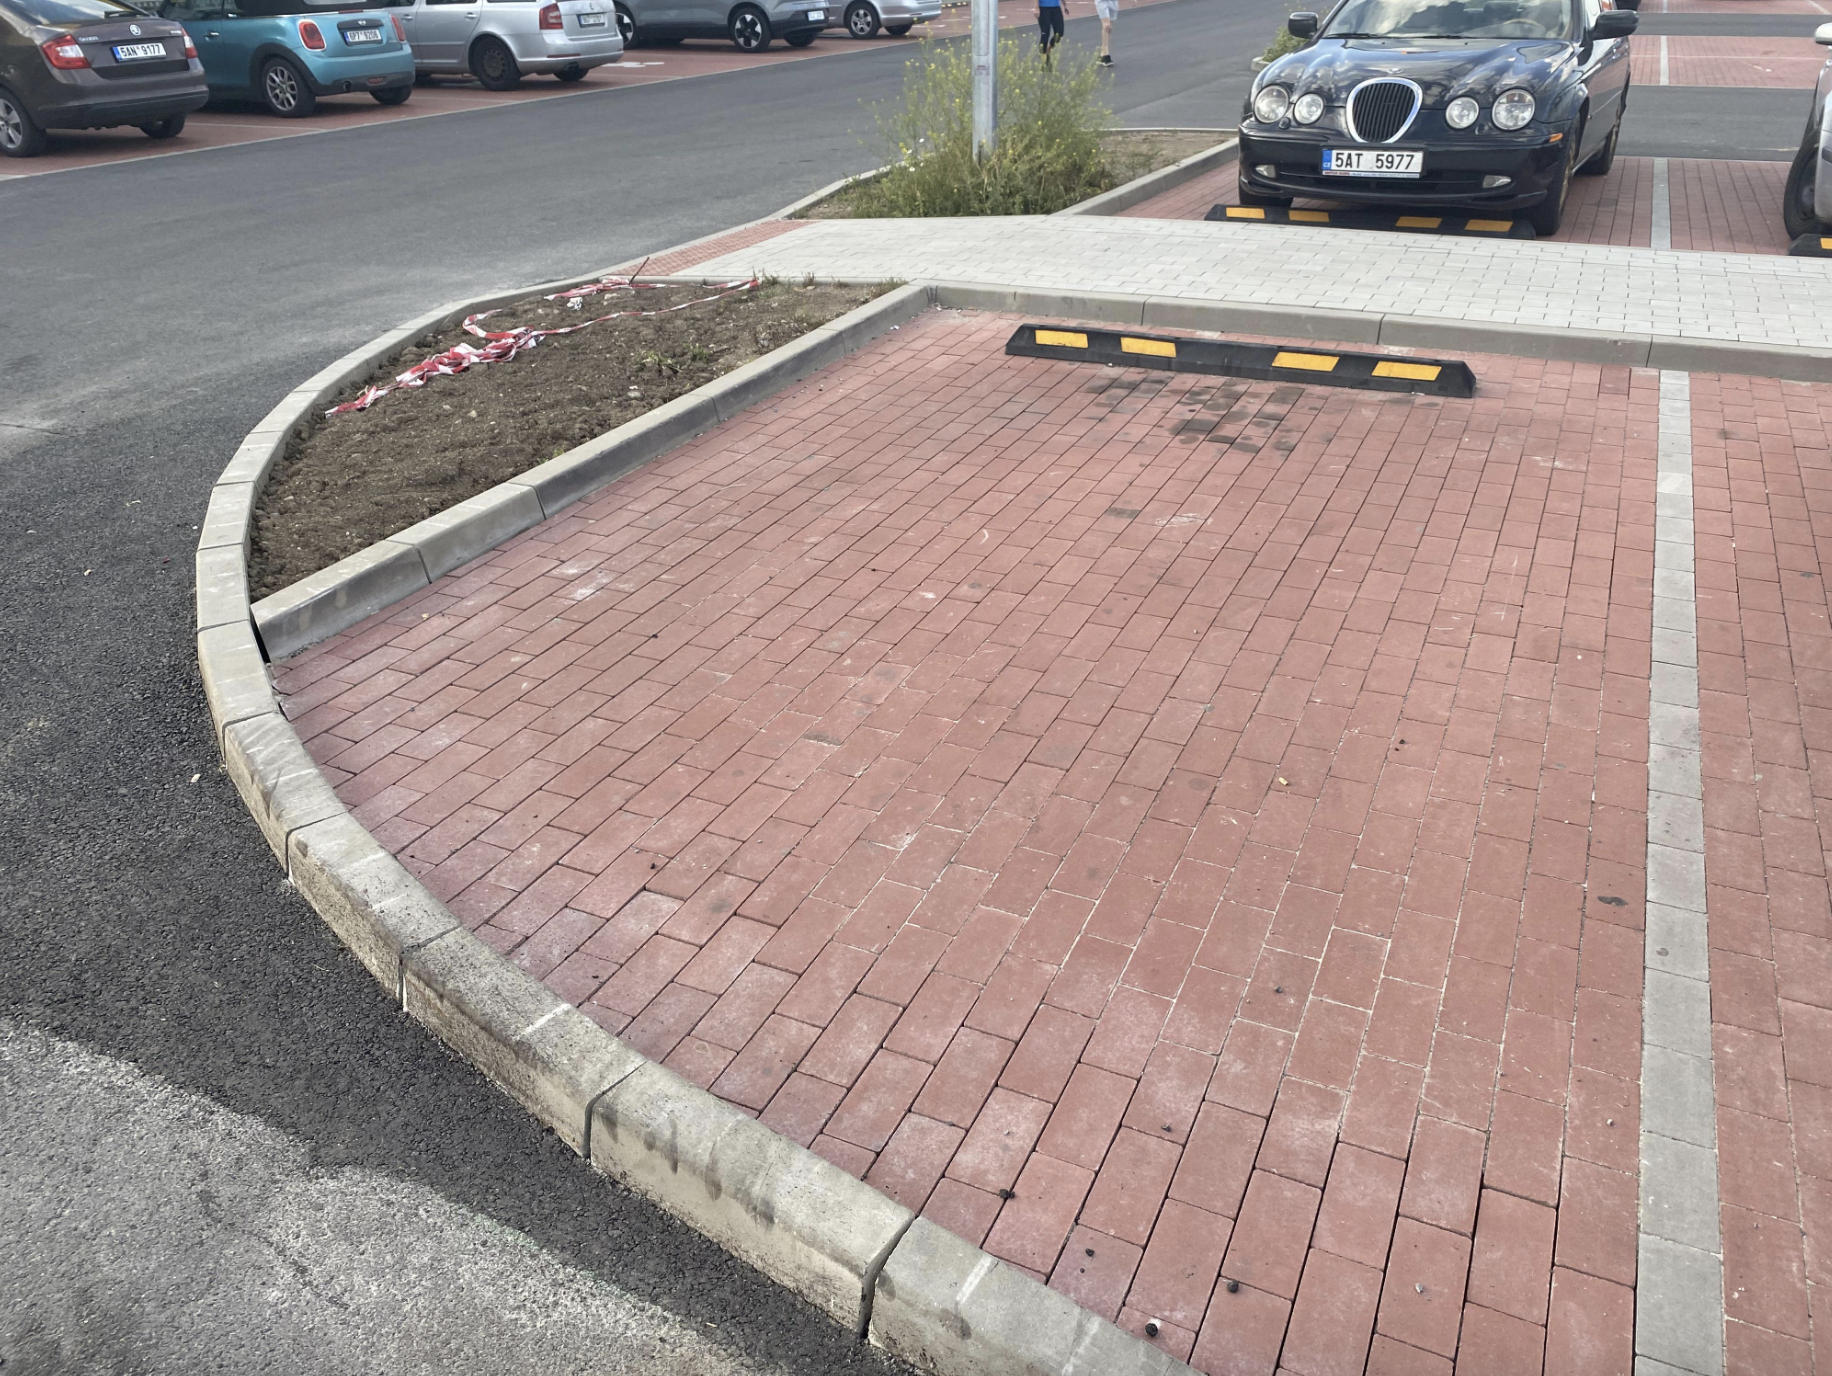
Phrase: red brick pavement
(1719,61)
(1715,205)
(1143,821)
(1762,465)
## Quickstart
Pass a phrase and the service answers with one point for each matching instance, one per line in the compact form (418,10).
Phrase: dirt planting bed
(361,476)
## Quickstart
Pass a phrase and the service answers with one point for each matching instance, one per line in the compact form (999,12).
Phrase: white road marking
(1662,229)
(1663,60)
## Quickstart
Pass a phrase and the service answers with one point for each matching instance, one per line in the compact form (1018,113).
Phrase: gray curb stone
(1141,189)
(796,1217)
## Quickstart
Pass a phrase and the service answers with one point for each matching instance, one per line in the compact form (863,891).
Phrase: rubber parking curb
(859,1256)
(1811,246)
(1315,366)
(1476,226)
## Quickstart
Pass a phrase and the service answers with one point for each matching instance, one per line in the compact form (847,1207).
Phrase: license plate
(362,36)
(136,52)
(1372,162)
(591,19)
(816,15)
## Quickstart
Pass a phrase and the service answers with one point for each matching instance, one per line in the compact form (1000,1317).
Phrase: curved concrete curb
(859,1256)
(1141,189)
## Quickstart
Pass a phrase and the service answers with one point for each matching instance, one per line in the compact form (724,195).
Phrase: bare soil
(357,478)
(1130,153)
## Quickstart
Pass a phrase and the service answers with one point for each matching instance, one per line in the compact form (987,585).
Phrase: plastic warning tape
(1375,219)
(1436,377)
(500,346)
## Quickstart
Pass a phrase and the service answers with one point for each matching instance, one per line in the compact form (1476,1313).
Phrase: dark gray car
(91,64)
(750,24)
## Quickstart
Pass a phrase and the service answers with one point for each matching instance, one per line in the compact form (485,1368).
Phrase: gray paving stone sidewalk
(1700,296)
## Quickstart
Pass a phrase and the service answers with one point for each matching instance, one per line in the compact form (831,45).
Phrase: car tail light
(550,17)
(190,48)
(400,29)
(310,36)
(65,53)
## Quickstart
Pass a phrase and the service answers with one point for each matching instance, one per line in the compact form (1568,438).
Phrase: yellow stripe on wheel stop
(1310,217)
(1490,226)
(1418,372)
(1312,363)
(1420,221)
(1065,339)
(1245,212)
(1160,348)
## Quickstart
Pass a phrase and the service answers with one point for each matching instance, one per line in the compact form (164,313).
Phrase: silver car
(1806,205)
(501,41)
(750,24)
(864,17)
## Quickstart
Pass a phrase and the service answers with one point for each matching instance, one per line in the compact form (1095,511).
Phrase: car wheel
(1798,211)
(494,65)
(896,30)
(801,40)
(1605,158)
(20,136)
(168,128)
(861,20)
(626,25)
(1549,214)
(1248,196)
(394,95)
(750,31)
(284,89)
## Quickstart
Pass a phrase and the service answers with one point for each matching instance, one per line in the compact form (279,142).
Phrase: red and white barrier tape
(502,345)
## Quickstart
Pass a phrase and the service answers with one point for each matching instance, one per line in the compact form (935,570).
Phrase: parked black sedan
(1472,104)
(90,64)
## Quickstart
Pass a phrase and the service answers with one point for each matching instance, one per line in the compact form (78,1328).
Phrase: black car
(91,64)
(1472,104)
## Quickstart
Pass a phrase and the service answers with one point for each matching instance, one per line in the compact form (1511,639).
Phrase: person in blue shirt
(1049,24)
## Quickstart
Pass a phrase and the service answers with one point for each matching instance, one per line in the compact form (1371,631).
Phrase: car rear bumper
(907,11)
(96,103)
(548,51)
(330,76)
(1453,174)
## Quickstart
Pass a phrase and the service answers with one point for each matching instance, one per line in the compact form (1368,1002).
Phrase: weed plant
(1048,150)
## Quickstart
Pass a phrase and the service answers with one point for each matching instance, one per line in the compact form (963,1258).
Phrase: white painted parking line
(1663,60)
(1679,1295)
(1661,231)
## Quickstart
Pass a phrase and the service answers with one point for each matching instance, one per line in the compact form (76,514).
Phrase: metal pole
(985,77)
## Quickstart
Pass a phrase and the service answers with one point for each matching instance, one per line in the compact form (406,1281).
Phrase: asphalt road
(150,313)
(1714,122)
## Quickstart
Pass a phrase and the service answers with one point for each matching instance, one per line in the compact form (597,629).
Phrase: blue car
(287,53)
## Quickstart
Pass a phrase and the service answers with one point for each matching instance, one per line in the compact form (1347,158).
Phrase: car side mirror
(1823,34)
(1615,24)
(1302,25)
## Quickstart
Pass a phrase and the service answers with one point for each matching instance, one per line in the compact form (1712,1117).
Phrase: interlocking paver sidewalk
(1182,834)
(1601,287)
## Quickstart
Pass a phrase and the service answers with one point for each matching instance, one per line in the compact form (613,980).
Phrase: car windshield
(1451,19)
(73,11)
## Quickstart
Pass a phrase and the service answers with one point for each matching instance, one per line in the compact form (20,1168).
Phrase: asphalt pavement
(153,311)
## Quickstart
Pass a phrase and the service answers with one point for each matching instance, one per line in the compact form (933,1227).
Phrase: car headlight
(1270,105)
(1308,108)
(1462,112)
(1513,109)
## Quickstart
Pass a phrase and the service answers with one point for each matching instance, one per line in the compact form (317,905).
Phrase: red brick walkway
(1719,206)
(1183,835)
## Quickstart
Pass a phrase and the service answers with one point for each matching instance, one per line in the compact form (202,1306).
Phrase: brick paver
(1183,835)
(1792,63)
(1762,455)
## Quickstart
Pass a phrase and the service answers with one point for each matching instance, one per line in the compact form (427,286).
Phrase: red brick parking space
(1762,483)
(1720,61)
(1157,826)
(1717,206)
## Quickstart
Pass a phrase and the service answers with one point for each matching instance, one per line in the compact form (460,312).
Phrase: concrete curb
(1141,189)
(338,597)
(854,1253)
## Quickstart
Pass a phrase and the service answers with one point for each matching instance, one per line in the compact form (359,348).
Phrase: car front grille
(1380,111)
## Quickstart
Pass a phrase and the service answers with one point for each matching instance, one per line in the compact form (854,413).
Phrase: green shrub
(1285,41)
(1048,156)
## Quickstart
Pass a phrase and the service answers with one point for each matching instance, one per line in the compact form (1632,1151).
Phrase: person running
(1108,10)
(1049,25)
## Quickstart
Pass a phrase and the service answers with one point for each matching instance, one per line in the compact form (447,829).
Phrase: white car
(864,17)
(501,41)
